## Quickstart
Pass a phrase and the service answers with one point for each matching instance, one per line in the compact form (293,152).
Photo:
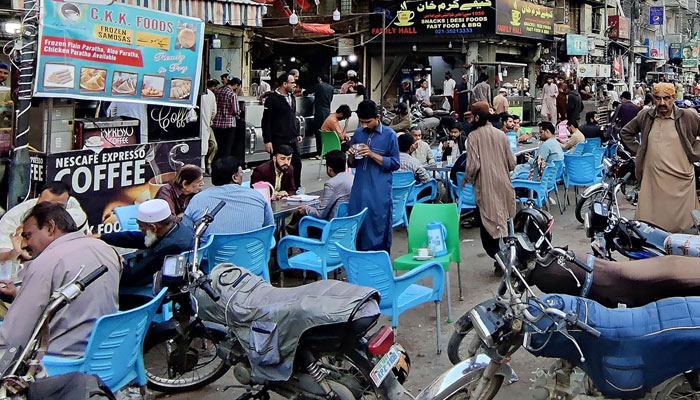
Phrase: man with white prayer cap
(160,234)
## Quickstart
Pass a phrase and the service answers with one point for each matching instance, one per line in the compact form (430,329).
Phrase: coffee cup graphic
(405,17)
(515,17)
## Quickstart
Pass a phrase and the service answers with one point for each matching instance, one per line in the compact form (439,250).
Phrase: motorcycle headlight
(482,329)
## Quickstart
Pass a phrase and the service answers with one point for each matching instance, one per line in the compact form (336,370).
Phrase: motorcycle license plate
(384,366)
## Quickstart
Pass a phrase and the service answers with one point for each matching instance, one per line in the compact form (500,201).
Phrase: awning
(225,12)
(235,13)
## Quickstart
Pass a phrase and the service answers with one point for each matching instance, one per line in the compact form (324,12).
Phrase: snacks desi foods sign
(118,52)
(434,17)
(525,19)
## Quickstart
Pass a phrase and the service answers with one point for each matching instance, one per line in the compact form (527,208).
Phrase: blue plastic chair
(541,189)
(399,198)
(249,250)
(398,294)
(342,210)
(580,171)
(126,216)
(466,200)
(115,349)
(320,255)
(579,149)
(599,153)
(590,144)
(404,178)
(611,149)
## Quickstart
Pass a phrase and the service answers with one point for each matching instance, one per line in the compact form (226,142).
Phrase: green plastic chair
(329,142)
(421,215)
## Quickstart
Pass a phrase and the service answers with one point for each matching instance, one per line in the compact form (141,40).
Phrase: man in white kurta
(549,101)
(208,111)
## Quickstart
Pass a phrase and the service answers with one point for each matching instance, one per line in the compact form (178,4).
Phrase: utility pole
(27,45)
(381,93)
(633,39)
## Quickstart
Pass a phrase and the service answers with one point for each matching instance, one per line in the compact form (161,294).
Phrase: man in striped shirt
(224,122)
(246,209)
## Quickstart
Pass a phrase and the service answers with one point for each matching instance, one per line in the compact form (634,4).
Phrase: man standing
(277,172)
(408,163)
(279,122)
(500,103)
(263,87)
(463,95)
(332,124)
(323,96)
(575,138)
(352,84)
(160,234)
(59,252)
(549,101)
(206,116)
(591,129)
(335,191)
(482,89)
(375,158)
(224,122)
(448,87)
(420,150)
(627,110)
(489,162)
(664,158)
(423,93)
(574,105)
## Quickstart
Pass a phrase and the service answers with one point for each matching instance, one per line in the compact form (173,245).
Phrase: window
(597,20)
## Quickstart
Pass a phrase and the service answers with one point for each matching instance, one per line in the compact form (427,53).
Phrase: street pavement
(416,330)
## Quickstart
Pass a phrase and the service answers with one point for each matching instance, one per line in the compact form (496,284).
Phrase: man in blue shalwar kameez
(375,155)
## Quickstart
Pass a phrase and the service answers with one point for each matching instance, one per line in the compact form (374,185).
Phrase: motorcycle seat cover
(683,245)
(269,321)
(638,349)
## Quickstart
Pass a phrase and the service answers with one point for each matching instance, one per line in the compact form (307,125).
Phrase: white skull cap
(153,211)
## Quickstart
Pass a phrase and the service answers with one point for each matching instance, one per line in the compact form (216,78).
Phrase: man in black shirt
(591,129)
(323,96)
(279,124)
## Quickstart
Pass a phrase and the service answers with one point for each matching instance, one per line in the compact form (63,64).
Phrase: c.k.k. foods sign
(524,19)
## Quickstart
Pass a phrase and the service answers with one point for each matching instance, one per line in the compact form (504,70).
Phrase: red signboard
(619,27)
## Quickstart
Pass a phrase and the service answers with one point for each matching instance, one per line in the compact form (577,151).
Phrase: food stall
(149,62)
(513,77)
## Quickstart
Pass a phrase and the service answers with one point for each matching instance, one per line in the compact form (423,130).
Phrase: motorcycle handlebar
(587,328)
(206,287)
(569,256)
(626,177)
(216,209)
(92,277)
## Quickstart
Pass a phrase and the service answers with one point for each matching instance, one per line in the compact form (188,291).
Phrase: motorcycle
(180,354)
(620,165)
(610,232)
(600,353)
(285,340)
(22,366)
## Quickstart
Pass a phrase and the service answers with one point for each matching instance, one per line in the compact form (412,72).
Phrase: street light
(293,18)
(336,15)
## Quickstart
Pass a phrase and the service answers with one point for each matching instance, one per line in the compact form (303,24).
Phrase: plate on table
(422,258)
(302,198)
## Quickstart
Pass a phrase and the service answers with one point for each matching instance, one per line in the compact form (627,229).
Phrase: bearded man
(278,172)
(665,152)
(160,234)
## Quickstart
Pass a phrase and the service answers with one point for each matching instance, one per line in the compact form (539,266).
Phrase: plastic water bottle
(438,157)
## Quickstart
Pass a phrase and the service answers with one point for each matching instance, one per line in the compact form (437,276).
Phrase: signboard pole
(19,166)
(381,97)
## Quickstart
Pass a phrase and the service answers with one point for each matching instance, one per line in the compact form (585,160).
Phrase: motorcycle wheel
(677,388)
(490,392)
(205,368)
(584,204)
(453,346)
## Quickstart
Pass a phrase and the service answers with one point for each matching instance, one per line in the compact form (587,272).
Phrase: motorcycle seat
(683,245)
(638,348)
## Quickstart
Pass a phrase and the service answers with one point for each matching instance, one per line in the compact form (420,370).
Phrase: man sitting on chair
(332,124)
(277,172)
(160,234)
(408,163)
(335,191)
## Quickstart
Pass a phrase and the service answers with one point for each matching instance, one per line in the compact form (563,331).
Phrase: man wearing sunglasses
(665,152)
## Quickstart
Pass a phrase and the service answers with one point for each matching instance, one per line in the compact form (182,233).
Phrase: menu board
(525,19)
(118,52)
(429,17)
